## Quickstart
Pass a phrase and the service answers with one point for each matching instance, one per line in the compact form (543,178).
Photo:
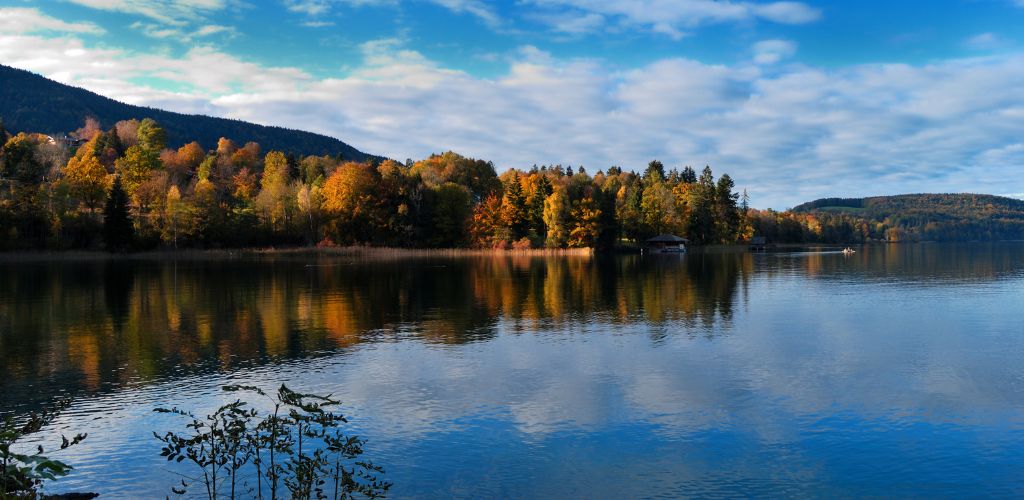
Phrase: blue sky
(796,100)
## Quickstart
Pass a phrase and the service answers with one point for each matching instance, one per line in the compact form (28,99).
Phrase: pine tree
(108,147)
(654,168)
(118,232)
(293,166)
(726,214)
(703,195)
(688,176)
(514,210)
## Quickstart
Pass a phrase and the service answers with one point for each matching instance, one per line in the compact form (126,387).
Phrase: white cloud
(787,12)
(28,20)
(213,29)
(473,7)
(476,8)
(986,41)
(1009,156)
(318,24)
(182,34)
(671,17)
(310,7)
(773,51)
(176,12)
(788,135)
(572,23)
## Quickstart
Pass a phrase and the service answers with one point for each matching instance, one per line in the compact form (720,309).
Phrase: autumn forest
(123,189)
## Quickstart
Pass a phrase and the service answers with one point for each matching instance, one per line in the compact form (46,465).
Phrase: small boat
(848,251)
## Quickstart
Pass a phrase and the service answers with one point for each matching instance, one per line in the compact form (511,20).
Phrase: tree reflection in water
(95,324)
(74,326)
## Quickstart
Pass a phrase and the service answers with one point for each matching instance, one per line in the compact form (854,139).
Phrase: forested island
(123,189)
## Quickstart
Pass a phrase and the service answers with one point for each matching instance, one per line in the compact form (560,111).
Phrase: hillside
(914,217)
(934,206)
(29,102)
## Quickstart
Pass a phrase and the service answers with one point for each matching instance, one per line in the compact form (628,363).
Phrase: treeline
(123,189)
(903,218)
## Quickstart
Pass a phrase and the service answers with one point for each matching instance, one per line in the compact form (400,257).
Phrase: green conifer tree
(515,213)
(118,232)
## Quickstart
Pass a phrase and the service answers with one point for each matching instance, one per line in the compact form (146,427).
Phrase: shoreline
(349,251)
(370,253)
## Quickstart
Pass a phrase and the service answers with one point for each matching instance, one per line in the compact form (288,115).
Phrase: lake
(896,371)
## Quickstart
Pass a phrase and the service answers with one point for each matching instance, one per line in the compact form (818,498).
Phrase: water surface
(894,371)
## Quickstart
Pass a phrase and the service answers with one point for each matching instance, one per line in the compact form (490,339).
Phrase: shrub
(298,449)
(22,474)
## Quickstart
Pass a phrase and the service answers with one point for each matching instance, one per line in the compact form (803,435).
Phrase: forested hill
(909,217)
(929,205)
(32,103)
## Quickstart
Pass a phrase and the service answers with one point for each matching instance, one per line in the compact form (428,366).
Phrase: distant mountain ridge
(33,103)
(949,204)
(931,217)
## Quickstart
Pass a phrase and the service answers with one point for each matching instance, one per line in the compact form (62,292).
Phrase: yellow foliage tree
(348,195)
(586,223)
(275,202)
(556,214)
(86,177)
(347,188)
(136,166)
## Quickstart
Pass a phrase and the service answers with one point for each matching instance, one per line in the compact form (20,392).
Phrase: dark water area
(896,371)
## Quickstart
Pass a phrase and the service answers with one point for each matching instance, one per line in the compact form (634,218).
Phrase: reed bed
(394,253)
(362,252)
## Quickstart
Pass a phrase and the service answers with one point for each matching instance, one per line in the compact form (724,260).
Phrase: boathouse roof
(667,238)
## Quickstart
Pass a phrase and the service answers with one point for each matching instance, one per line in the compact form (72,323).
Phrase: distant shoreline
(384,253)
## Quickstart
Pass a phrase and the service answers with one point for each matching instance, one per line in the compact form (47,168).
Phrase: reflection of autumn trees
(89,324)
(86,325)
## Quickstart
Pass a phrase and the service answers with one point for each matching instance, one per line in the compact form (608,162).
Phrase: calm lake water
(897,371)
